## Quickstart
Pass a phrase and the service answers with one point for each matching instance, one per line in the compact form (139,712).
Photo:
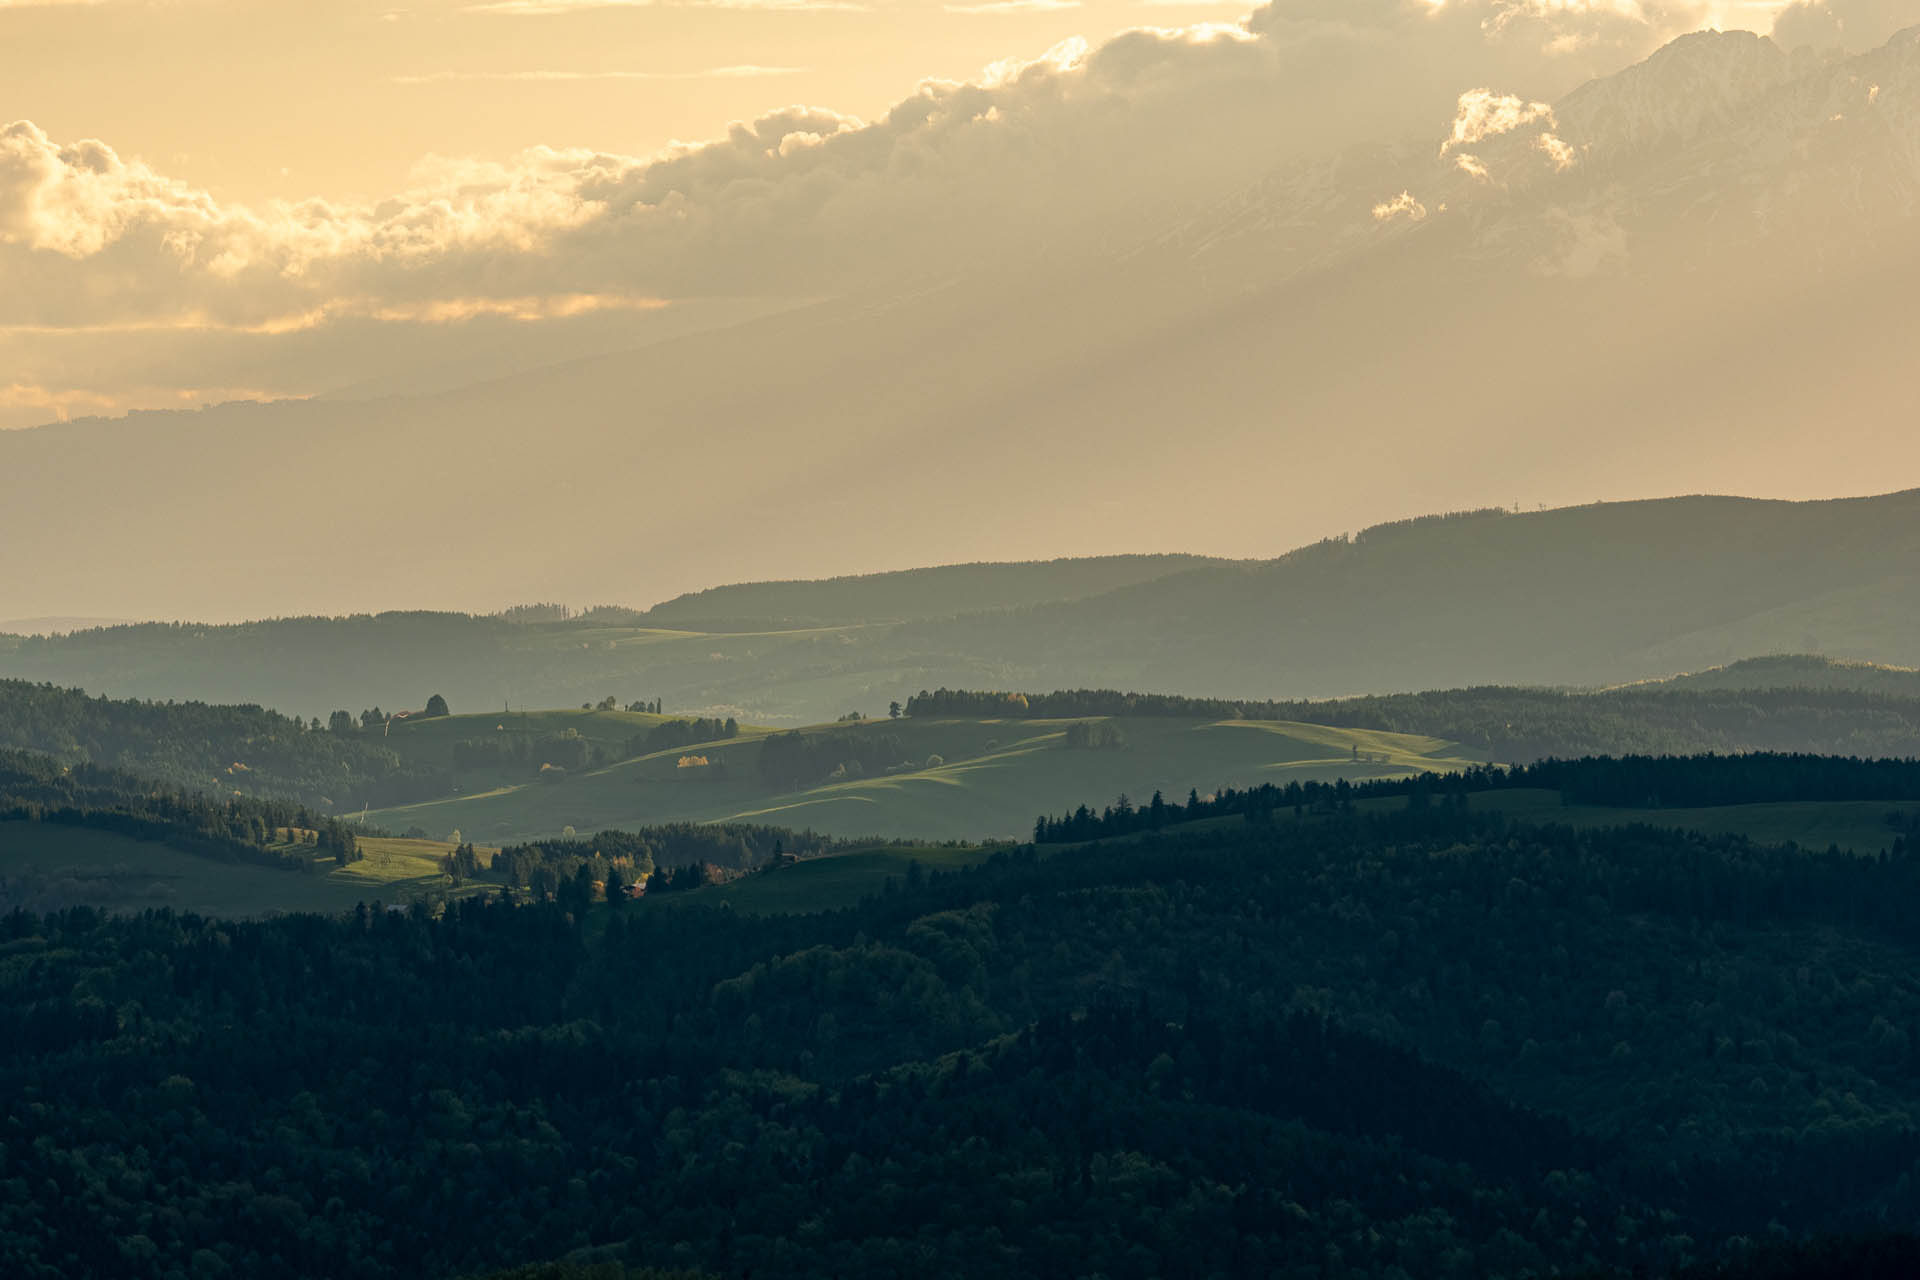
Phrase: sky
(204,200)
(1118,281)
(341,98)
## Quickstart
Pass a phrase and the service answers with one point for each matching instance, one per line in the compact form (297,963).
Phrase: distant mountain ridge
(1581,596)
(934,592)
(1799,671)
(1697,82)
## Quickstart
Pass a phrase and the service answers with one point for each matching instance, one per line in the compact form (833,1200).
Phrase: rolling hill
(778,652)
(941,779)
(1581,595)
(910,594)
(47,867)
(959,764)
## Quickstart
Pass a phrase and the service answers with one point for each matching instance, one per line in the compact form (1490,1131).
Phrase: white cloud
(1508,134)
(1080,148)
(1557,150)
(1485,114)
(1401,206)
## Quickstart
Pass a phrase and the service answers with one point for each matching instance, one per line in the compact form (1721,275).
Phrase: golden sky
(211,199)
(341,98)
(1368,258)
(251,99)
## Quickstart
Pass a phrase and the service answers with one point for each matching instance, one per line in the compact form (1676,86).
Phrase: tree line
(542,865)
(669,734)
(1650,782)
(1519,724)
(795,759)
(37,788)
(195,745)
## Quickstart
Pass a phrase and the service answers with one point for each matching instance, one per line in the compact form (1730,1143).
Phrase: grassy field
(972,779)
(45,865)
(398,870)
(429,742)
(432,738)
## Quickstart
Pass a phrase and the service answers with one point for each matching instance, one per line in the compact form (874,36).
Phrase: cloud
(1562,155)
(1401,206)
(66,403)
(1856,25)
(1511,130)
(1485,114)
(1082,150)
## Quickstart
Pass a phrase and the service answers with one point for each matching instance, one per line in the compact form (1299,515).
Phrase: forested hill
(538,657)
(228,750)
(305,665)
(938,592)
(1583,596)
(1576,596)
(1404,1043)
(1802,671)
(1520,725)
(38,789)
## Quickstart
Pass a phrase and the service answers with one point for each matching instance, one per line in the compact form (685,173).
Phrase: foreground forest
(1410,1041)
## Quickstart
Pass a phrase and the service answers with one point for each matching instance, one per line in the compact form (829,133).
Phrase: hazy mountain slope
(1800,671)
(785,652)
(55,626)
(1575,596)
(1678,318)
(936,592)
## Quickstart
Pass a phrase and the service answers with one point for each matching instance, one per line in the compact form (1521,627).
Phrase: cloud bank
(1076,150)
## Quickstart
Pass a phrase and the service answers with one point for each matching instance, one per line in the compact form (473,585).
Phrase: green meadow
(958,779)
(73,865)
(423,736)
(960,786)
